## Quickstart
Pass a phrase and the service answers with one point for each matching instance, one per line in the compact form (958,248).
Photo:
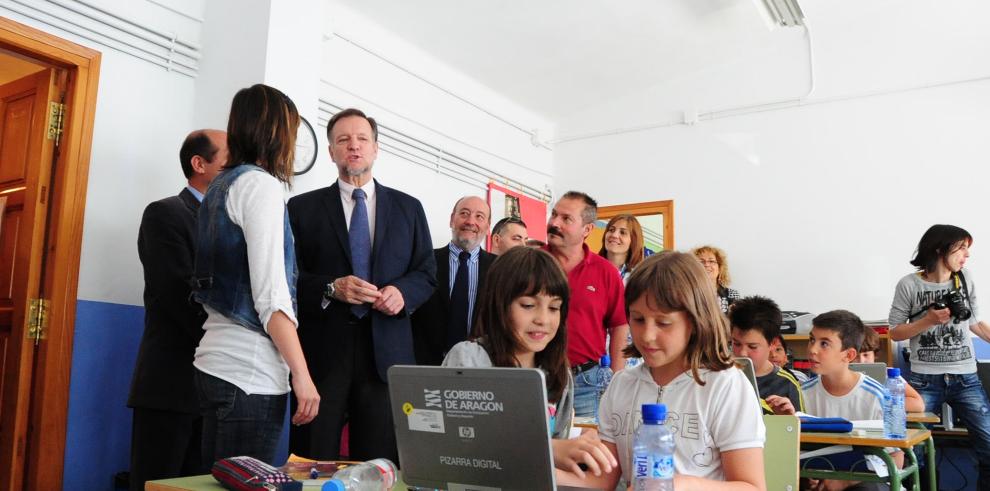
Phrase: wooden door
(26,156)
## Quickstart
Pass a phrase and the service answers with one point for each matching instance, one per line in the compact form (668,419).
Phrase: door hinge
(37,321)
(56,116)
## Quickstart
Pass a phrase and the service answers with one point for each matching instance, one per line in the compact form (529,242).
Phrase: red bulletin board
(531,210)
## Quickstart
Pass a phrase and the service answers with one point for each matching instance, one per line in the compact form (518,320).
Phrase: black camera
(956,303)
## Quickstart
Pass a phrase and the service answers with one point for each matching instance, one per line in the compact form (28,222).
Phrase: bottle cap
(605,361)
(654,413)
(333,485)
(893,372)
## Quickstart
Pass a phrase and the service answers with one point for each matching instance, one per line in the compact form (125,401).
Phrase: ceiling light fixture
(783,13)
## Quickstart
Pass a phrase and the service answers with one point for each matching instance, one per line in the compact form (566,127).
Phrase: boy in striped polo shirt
(838,391)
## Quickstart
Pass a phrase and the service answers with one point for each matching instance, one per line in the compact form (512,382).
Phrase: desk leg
(930,463)
(893,473)
(913,460)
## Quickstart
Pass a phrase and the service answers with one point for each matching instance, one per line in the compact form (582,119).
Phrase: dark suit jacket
(430,321)
(173,322)
(400,257)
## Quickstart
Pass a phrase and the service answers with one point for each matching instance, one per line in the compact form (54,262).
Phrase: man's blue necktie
(457,321)
(360,239)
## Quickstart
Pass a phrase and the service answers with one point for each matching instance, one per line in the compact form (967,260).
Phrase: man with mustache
(597,304)
(447,317)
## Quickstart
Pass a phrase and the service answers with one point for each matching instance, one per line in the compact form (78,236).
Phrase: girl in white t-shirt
(679,330)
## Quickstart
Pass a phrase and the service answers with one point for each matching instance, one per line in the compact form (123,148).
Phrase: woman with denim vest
(245,279)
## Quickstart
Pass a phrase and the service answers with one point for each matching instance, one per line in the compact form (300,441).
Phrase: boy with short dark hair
(833,343)
(755,323)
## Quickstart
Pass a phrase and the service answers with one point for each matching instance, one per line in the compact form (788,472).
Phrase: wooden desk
(923,418)
(914,437)
(207,483)
(873,443)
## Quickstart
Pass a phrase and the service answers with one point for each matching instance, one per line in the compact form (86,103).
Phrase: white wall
(821,206)
(143,112)
(353,77)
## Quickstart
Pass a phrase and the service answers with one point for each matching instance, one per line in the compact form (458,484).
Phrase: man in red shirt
(597,304)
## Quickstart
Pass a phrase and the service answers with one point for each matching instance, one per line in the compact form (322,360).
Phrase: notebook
(463,429)
(828,425)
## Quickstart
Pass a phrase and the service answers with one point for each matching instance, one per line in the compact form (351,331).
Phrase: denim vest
(222,278)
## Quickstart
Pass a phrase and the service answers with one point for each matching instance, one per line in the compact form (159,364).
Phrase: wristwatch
(330,291)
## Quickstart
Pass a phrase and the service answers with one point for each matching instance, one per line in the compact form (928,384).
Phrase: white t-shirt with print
(706,421)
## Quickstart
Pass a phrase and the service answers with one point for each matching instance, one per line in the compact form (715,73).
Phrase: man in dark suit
(165,437)
(447,318)
(365,264)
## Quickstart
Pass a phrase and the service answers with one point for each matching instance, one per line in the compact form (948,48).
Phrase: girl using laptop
(678,328)
(522,314)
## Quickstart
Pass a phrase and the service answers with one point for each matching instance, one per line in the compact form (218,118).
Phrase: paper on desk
(868,424)
(829,450)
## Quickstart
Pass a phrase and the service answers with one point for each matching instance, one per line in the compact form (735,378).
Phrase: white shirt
(371,201)
(863,402)
(229,351)
(706,420)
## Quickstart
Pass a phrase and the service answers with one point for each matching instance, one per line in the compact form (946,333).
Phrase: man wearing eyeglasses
(507,233)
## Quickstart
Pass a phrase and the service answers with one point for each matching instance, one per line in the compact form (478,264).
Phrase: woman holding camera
(935,308)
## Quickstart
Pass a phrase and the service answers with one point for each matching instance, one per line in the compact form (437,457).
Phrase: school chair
(780,452)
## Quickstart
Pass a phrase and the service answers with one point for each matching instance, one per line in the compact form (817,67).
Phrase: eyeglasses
(709,262)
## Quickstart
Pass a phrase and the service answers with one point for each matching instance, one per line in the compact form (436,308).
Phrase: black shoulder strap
(965,289)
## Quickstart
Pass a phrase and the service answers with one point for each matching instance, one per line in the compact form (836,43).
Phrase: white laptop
(746,365)
(876,371)
(477,429)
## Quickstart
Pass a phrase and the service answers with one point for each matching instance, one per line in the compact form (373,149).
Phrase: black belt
(584,367)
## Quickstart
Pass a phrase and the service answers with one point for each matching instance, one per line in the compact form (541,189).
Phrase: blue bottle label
(653,467)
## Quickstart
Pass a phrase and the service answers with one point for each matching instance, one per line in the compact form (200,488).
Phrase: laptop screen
(746,365)
(876,371)
(471,428)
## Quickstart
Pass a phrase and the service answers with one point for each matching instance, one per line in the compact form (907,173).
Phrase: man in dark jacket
(165,438)
(447,318)
(365,264)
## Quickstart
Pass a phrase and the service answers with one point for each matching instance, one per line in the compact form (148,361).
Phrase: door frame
(50,392)
(665,208)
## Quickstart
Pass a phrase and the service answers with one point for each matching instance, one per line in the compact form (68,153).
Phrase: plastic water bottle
(894,416)
(601,382)
(653,452)
(373,475)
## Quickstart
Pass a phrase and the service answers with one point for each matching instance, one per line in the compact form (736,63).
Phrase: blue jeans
(968,400)
(235,423)
(586,393)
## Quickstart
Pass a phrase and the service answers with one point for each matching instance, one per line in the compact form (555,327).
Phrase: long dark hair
(262,130)
(937,242)
(636,252)
(523,271)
